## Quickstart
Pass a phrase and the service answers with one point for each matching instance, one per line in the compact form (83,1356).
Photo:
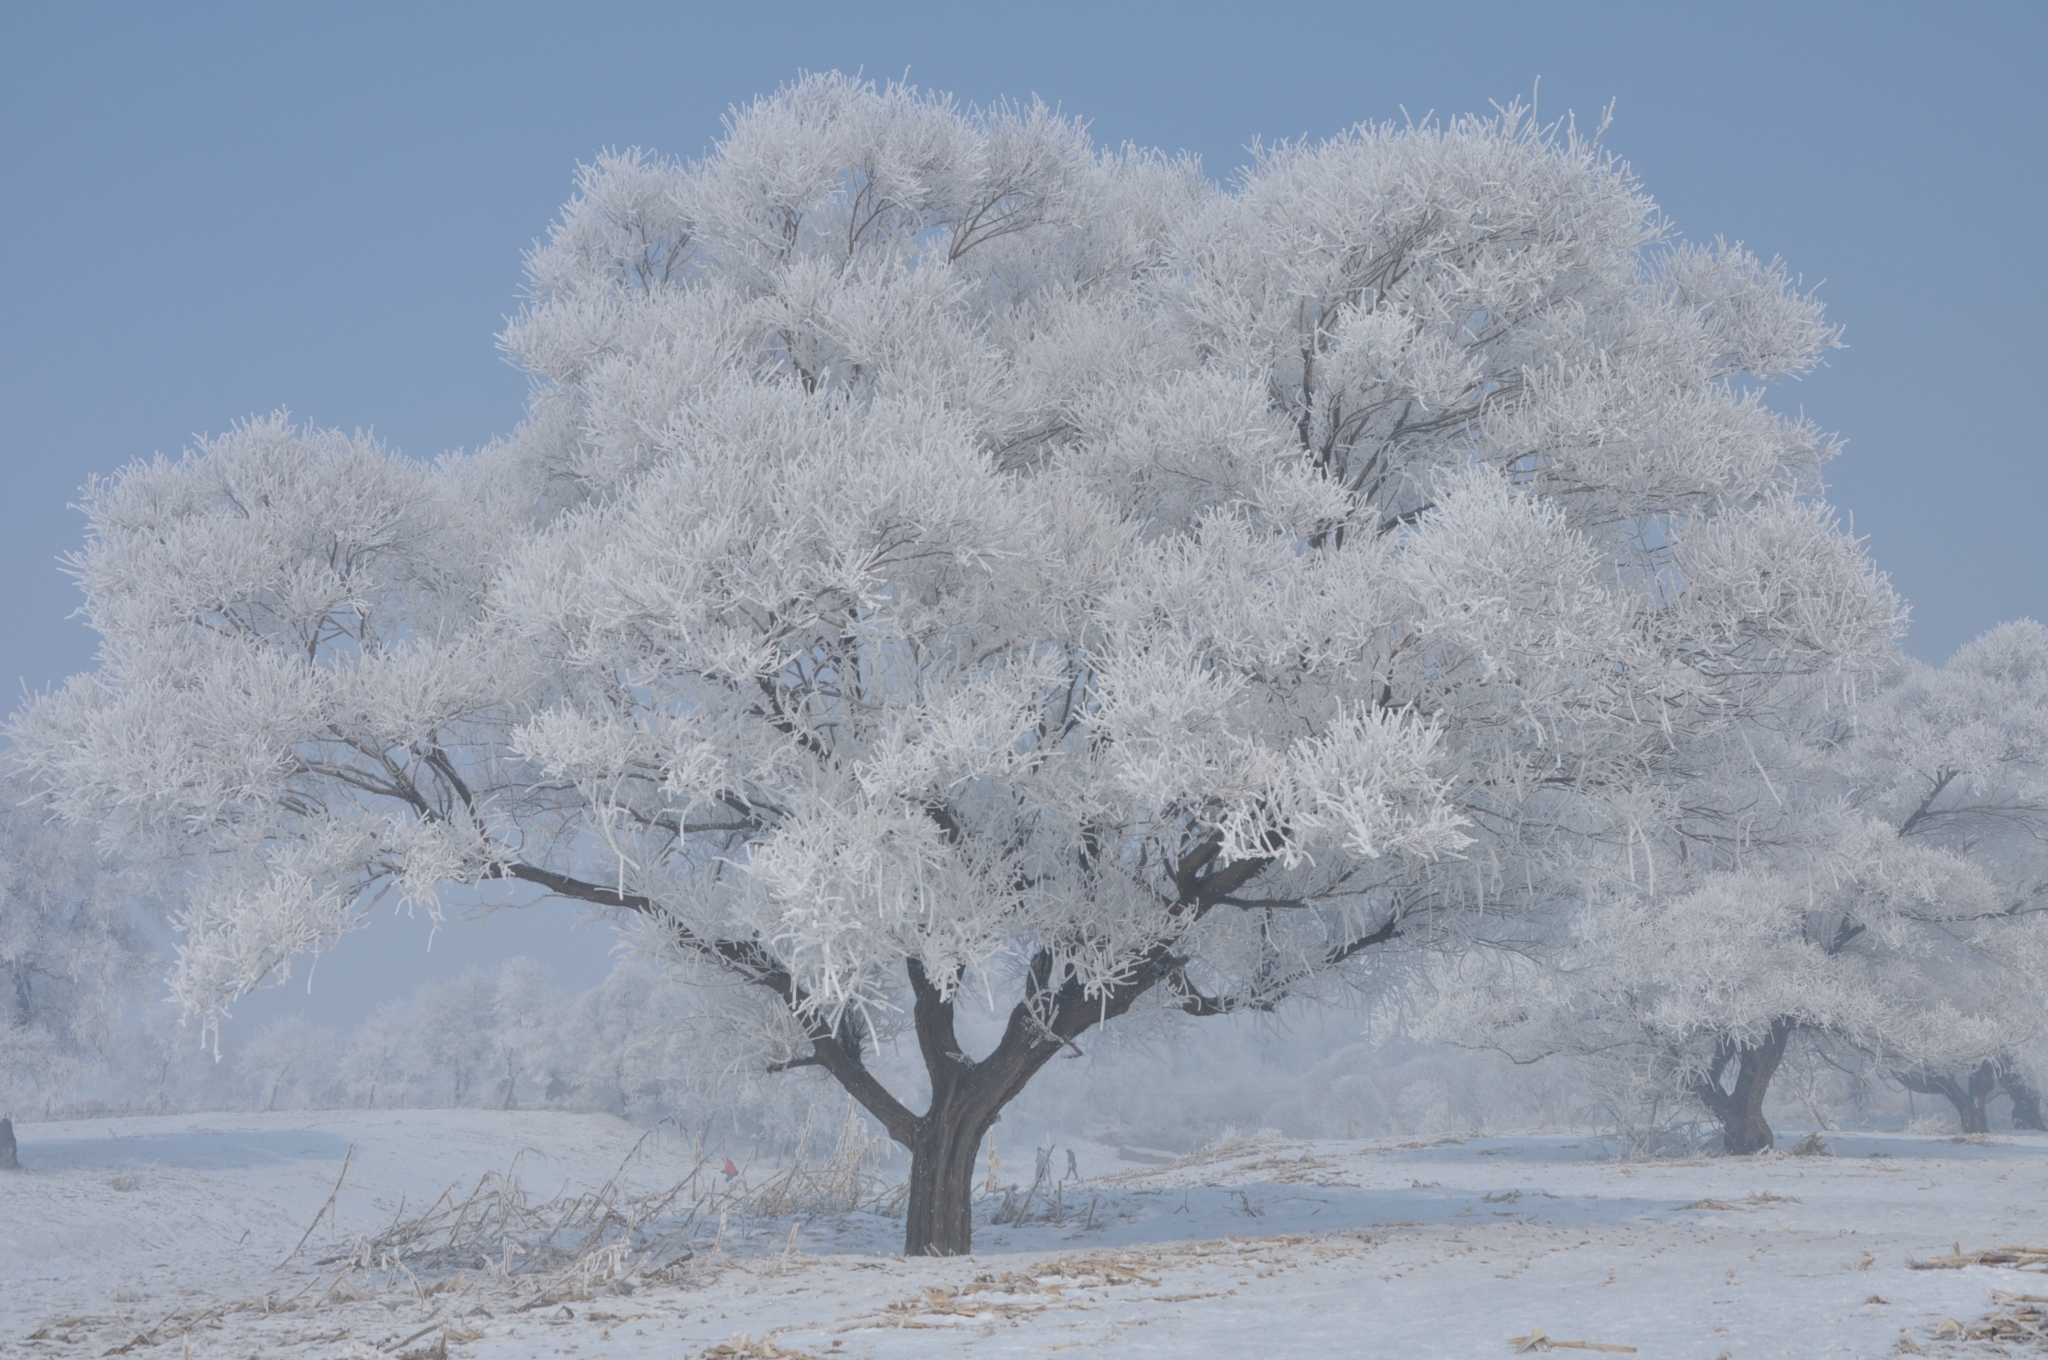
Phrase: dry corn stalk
(1103,1272)
(746,1348)
(2024,1317)
(567,1247)
(2019,1258)
(1539,1340)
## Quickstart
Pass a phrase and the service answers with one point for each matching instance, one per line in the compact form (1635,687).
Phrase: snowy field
(170,1236)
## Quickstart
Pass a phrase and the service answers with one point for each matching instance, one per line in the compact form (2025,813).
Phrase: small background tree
(1888,910)
(1955,757)
(71,942)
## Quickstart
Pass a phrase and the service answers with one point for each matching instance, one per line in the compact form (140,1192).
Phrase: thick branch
(1388,930)
(1920,814)
(561,885)
(837,1054)
(932,1015)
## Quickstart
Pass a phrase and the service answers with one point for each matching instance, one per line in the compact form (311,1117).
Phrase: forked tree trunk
(1969,1095)
(1740,1111)
(967,1097)
(968,1094)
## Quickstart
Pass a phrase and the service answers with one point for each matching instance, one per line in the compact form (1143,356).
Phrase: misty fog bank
(506,1038)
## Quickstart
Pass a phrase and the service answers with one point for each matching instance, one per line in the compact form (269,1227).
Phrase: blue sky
(216,210)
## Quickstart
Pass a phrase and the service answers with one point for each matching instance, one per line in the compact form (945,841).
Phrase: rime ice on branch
(943,557)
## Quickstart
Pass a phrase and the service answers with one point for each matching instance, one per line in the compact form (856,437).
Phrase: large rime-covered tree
(944,559)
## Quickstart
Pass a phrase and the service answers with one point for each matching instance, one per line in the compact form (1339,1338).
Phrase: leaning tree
(943,560)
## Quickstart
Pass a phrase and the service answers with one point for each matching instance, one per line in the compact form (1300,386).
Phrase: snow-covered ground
(169,1237)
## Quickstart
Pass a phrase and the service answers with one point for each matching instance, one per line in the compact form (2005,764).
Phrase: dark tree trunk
(1969,1095)
(1970,1109)
(2026,1101)
(969,1094)
(1740,1111)
(940,1217)
(967,1098)
(7,1162)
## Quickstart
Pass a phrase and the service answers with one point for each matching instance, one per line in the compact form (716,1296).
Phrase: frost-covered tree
(945,561)
(639,1046)
(290,1060)
(1876,889)
(489,1037)
(1958,758)
(1698,995)
(373,1070)
(71,941)
(458,1036)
